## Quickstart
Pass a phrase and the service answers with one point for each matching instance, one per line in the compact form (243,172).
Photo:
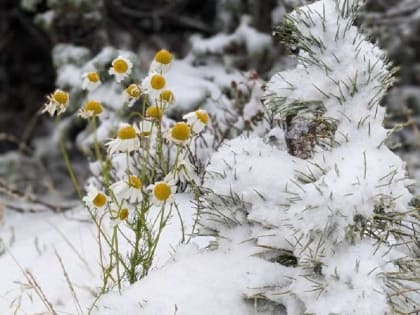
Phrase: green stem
(98,154)
(182,223)
(134,258)
(162,225)
(109,243)
(145,158)
(128,163)
(115,238)
(69,168)
(197,213)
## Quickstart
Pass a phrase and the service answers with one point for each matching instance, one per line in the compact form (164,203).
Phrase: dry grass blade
(73,292)
(34,285)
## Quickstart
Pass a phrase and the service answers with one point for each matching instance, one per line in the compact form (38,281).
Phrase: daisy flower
(153,85)
(129,189)
(57,102)
(126,141)
(91,80)
(197,120)
(95,199)
(121,68)
(154,113)
(180,133)
(118,214)
(162,192)
(162,62)
(167,97)
(91,109)
(131,94)
(123,214)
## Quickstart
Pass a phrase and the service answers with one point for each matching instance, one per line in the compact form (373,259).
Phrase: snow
(198,86)
(64,54)
(245,163)
(32,240)
(194,278)
(45,19)
(259,200)
(254,41)
(310,206)
(29,4)
(36,239)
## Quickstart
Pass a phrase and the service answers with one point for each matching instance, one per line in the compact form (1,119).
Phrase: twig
(20,195)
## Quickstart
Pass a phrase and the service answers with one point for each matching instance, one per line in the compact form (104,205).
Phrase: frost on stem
(335,209)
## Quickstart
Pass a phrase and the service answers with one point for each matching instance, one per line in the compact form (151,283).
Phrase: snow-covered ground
(261,203)
(34,244)
(44,252)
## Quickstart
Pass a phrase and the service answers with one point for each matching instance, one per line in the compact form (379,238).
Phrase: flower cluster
(147,136)
(155,148)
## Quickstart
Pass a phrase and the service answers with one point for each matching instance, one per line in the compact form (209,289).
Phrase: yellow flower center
(61,97)
(120,65)
(134,181)
(181,131)
(154,112)
(99,200)
(126,132)
(94,106)
(202,116)
(157,82)
(162,191)
(133,90)
(123,214)
(163,56)
(167,96)
(93,76)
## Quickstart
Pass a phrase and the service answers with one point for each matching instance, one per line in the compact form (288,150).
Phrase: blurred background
(37,36)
